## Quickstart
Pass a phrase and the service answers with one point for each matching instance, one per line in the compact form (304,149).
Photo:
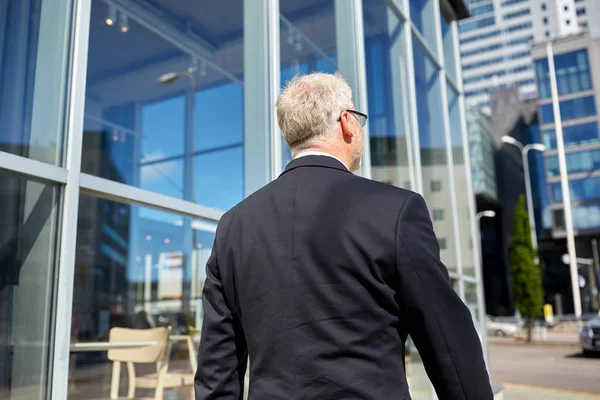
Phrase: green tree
(526,276)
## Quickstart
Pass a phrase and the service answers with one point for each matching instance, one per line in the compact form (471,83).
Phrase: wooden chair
(156,354)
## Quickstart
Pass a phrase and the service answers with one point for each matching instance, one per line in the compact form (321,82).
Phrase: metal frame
(448,141)
(474,227)
(32,168)
(349,31)
(412,91)
(70,204)
(262,140)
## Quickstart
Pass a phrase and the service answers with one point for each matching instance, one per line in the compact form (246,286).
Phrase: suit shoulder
(385,188)
(255,199)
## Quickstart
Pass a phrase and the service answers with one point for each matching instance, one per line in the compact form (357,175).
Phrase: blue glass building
(577,64)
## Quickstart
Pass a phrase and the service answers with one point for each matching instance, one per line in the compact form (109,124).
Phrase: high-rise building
(495,42)
(577,66)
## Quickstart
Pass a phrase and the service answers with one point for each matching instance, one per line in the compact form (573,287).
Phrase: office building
(577,65)
(482,144)
(128,127)
(495,42)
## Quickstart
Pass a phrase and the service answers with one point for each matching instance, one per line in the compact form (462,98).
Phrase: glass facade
(572,73)
(128,128)
(573,135)
(569,109)
(580,161)
(34,63)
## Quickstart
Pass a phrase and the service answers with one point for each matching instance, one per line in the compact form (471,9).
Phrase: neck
(345,158)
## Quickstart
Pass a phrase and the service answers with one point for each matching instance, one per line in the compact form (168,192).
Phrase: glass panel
(460,182)
(421,14)
(34,54)
(569,109)
(165,95)
(386,93)
(416,376)
(579,189)
(135,268)
(582,161)
(584,217)
(471,301)
(28,245)
(574,135)
(433,147)
(572,73)
(308,42)
(449,50)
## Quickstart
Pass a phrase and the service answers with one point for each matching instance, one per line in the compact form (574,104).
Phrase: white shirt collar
(318,153)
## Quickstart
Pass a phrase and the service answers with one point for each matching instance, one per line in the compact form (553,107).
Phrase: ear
(346,122)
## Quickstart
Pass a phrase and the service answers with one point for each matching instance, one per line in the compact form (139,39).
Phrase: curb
(550,343)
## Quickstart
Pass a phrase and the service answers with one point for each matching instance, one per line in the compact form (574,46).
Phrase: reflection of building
(435,192)
(500,182)
(495,41)
(577,64)
(482,144)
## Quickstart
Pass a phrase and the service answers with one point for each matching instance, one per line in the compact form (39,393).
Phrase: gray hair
(309,107)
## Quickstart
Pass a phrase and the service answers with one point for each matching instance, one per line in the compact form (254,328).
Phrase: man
(320,276)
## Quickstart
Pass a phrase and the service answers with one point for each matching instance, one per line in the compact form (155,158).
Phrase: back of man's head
(309,106)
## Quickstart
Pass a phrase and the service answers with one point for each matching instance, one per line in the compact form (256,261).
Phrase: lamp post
(524,156)
(564,182)
(479,279)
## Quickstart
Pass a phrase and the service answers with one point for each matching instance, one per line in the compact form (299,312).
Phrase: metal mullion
(470,279)
(412,100)
(359,42)
(450,80)
(32,169)
(70,202)
(110,190)
(470,195)
(274,82)
(351,60)
(394,6)
(426,47)
(448,141)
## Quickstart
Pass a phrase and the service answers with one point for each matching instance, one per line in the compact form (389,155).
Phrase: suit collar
(315,161)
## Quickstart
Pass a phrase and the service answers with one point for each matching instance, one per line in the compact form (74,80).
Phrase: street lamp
(485,214)
(524,155)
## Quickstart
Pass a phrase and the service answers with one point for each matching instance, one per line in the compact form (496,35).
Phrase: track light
(123,23)
(111,17)
(298,45)
(202,69)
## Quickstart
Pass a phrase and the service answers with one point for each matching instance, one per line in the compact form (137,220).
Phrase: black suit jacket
(319,277)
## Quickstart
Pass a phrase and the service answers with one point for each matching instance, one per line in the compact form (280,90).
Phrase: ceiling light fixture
(124,23)
(112,15)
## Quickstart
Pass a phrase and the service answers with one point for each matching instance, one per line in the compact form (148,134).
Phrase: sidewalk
(523,392)
(553,338)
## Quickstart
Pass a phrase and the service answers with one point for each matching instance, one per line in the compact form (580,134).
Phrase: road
(555,367)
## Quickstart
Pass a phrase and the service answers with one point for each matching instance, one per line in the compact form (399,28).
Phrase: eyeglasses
(361,117)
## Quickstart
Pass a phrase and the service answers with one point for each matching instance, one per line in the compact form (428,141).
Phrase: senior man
(320,276)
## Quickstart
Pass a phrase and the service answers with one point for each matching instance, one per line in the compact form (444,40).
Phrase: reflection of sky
(160,234)
(219,117)
(429,106)
(163,126)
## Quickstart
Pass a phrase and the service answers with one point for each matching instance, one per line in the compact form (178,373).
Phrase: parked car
(504,329)
(589,337)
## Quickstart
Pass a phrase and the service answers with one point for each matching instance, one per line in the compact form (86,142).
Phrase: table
(81,347)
